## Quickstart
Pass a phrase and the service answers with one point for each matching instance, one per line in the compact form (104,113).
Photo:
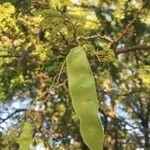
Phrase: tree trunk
(146,133)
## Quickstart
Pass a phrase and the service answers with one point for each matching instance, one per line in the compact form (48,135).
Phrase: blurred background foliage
(35,38)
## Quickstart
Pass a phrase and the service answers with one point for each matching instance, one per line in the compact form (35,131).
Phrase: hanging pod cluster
(84,98)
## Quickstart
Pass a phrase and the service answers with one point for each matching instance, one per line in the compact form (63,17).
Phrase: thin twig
(5,56)
(127,27)
(64,38)
(61,70)
(20,59)
(103,37)
(11,115)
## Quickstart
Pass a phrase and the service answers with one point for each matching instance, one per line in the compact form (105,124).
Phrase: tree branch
(111,93)
(121,120)
(127,27)
(5,56)
(11,115)
(132,49)
(103,37)
(20,59)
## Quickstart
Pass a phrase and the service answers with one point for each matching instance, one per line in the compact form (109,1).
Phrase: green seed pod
(26,136)
(84,98)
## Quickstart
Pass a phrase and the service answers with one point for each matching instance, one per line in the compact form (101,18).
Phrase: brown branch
(121,120)
(20,59)
(64,38)
(132,49)
(11,115)
(111,93)
(148,111)
(103,37)
(5,56)
(127,27)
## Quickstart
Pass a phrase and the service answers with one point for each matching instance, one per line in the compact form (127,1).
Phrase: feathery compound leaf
(26,136)
(84,98)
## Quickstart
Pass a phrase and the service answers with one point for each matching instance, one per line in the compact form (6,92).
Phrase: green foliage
(52,18)
(1,92)
(50,28)
(59,3)
(6,10)
(9,141)
(144,74)
(84,98)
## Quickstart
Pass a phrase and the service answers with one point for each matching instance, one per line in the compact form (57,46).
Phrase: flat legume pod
(84,98)
(25,138)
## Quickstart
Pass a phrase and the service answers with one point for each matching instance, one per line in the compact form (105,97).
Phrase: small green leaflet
(26,136)
(84,98)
